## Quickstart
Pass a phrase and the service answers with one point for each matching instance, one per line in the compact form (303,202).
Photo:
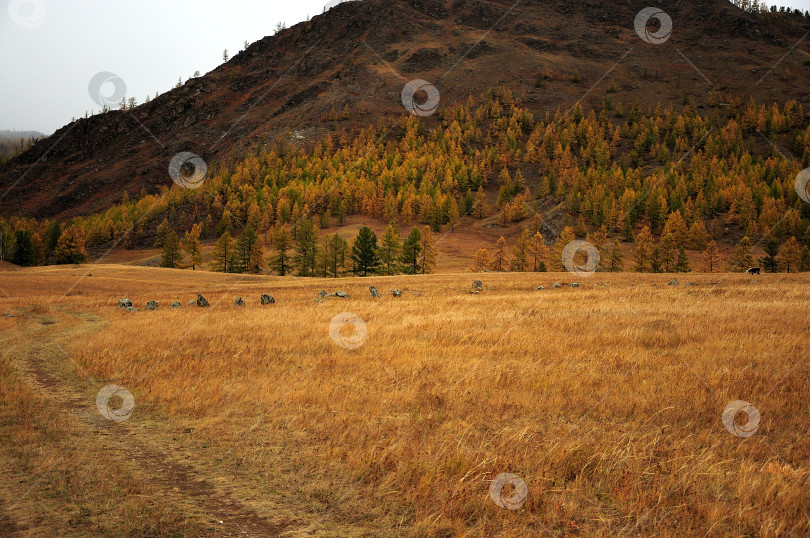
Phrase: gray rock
(239,302)
(201,301)
(175,305)
(131,309)
(152,305)
(574,285)
(322,294)
(192,302)
(124,303)
(396,293)
(673,282)
(555,285)
(267,299)
(373,291)
(342,294)
(477,285)
(540,288)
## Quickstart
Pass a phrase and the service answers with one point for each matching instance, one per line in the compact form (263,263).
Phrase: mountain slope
(346,69)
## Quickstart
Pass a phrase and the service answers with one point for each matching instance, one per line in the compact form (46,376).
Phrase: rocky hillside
(346,69)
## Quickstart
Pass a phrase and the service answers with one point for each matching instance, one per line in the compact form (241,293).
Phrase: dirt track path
(151,452)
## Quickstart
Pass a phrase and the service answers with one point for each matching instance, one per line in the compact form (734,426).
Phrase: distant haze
(52,48)
(45,70)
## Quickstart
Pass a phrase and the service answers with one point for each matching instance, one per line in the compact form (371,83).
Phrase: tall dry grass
(606,400)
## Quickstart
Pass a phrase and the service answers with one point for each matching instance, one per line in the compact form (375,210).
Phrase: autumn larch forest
(662,181)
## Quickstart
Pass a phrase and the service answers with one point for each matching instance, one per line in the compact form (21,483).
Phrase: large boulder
(152,305)
(124,303)
(267,299)
(201,301)
(374,292)
(239,302)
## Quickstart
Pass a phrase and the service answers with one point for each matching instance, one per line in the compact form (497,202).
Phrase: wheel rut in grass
(150,451)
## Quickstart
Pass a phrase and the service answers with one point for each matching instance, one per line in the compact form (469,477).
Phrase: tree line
(618,168)
(299,249)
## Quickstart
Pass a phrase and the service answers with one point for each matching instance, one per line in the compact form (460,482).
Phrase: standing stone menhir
(267,299)
(373,291)
(201,301)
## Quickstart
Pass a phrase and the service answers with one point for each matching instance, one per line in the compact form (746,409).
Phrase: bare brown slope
(360,54)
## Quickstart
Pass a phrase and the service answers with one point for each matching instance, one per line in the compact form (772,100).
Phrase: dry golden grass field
(604,401)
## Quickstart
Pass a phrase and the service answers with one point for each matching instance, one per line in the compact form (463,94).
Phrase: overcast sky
(51,49)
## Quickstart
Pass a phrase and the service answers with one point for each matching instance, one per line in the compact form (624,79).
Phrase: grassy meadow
(605,400)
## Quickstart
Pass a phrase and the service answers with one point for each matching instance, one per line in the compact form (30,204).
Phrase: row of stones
(200,301)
